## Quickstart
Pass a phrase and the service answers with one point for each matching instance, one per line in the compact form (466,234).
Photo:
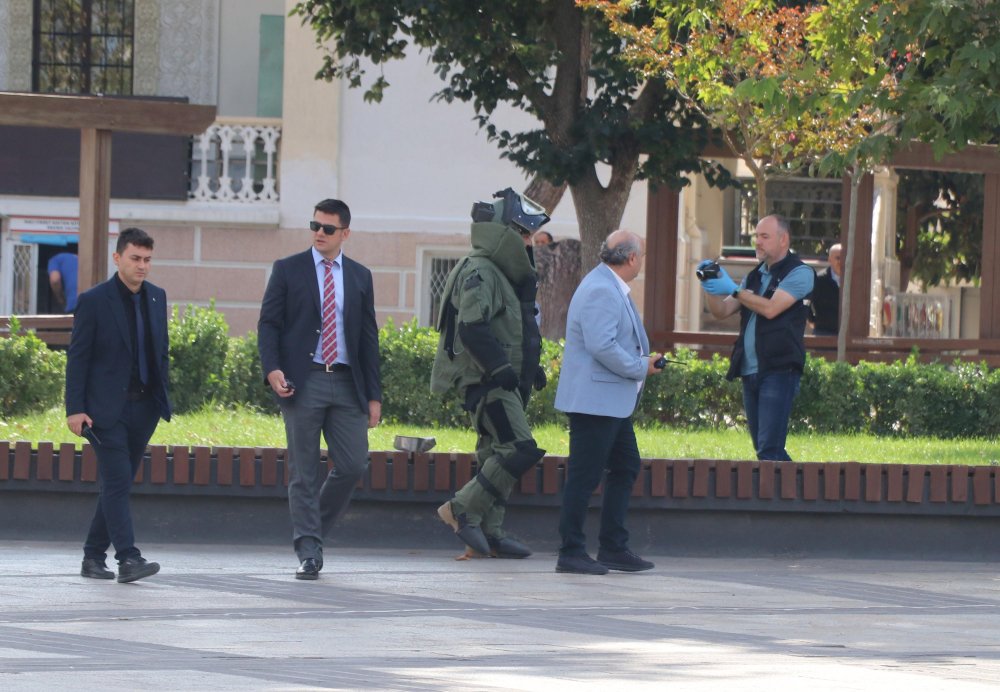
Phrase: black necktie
(140,339)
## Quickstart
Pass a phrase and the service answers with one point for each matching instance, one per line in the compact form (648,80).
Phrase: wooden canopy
(662,252)
(97,117)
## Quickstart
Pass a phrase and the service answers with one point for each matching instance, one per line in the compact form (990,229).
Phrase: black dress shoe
(308,569)
(136,568)
(508,547)
(624,561)
(579,564)
(92,568)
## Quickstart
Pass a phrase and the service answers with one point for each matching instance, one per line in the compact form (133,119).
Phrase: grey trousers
(325,404)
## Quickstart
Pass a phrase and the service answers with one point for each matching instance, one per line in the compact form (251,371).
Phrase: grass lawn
(240,428)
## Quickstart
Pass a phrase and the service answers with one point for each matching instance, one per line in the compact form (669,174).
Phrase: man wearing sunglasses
(318,343)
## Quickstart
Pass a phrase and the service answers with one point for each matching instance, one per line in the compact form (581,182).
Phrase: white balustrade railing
(236,160)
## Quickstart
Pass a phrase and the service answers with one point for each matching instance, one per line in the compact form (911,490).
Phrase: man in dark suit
(826,295)
(318,342)
(116,393)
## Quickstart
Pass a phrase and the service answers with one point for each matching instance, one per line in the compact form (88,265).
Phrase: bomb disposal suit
(488,353)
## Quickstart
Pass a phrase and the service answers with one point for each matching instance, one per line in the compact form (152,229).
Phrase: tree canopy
(743,65)
(947,56)
(598,120)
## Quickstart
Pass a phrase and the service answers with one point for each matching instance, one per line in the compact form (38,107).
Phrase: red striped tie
(329,315)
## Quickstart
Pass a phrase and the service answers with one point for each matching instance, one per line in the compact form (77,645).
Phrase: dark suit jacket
(826,303)
(291,317)
(98,362)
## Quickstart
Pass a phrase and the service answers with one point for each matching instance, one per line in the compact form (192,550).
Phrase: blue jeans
(600,448)
(767,401)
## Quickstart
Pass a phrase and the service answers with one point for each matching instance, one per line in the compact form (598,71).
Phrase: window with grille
(24,279)
(440,267)
(812,205)
(83,46)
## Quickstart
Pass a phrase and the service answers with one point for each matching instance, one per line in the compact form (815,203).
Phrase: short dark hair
(133,236)
(335,206)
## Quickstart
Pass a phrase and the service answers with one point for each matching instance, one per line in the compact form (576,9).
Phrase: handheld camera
(709,271)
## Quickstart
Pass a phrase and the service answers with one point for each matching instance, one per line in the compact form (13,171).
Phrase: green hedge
(208,367)
(407,356)
(905,398)
(32,378)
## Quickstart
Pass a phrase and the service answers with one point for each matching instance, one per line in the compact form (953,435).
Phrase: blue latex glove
(704,263)
(721,286)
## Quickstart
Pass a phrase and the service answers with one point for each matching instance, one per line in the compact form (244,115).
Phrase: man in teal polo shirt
(769,354)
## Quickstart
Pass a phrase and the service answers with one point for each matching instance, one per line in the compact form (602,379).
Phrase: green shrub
(32,378)
(887,387)
(692,393)
(244,376)
(199,342)
(407,356)
(900,398)
(831,399)
(991,403)
(948,401)
(541,405)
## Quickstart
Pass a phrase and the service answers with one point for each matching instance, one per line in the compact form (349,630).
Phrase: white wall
(239,53)
(409,164)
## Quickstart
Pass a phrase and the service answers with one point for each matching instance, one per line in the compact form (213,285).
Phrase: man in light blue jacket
(605,363)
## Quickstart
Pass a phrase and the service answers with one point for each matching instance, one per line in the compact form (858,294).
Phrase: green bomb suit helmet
(486,294)
(512,209)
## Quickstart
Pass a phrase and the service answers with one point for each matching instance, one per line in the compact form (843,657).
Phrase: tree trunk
(599,210)
(545,193)
(845,283)
(761,179)
(558,268)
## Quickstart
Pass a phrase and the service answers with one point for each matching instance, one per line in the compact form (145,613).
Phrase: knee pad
(526,455)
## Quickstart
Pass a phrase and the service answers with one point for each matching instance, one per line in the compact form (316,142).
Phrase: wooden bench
(54,330)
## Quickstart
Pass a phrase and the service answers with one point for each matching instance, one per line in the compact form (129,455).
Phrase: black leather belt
(331,367)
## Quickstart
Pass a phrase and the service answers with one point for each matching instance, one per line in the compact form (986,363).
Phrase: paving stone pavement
(233,618)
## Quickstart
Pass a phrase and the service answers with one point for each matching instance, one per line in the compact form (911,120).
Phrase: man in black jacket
(116,393)
(826,295)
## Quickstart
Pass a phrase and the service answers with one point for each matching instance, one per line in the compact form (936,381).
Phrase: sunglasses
(328,228)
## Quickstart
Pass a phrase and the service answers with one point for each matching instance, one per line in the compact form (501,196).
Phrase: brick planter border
(670,484)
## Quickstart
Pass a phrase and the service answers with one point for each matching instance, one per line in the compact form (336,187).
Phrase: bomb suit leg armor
(488,354)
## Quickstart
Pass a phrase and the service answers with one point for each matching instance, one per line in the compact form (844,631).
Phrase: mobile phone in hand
(289,385)
(89,433)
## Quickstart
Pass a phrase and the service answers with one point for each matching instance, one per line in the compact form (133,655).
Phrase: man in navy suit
(116,393)
(318,343)
(605,363)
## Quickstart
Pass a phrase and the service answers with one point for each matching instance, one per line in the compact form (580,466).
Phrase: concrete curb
(679,506)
